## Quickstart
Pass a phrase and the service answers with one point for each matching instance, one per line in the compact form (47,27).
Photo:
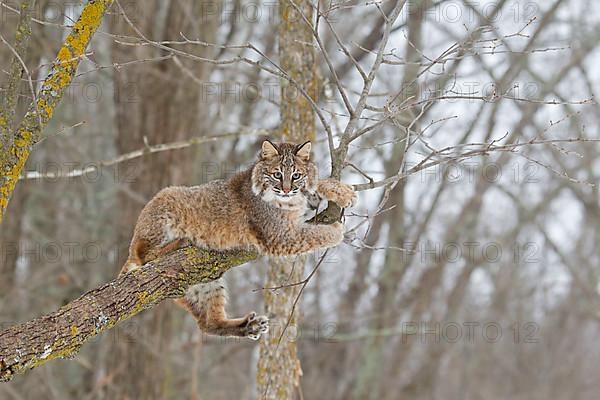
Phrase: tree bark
(62,333)
(279,370)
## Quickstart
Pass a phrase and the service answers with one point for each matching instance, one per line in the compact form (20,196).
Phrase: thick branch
(62,333)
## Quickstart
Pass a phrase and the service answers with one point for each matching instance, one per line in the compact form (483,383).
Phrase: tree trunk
(157,104)
(370,380)
(279,369)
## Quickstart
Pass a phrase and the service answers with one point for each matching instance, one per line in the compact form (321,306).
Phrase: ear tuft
(269,150)
(303,151)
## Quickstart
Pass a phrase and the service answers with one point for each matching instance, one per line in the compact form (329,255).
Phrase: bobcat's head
(284,173)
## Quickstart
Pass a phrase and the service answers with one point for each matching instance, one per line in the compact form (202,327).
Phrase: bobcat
(260,208)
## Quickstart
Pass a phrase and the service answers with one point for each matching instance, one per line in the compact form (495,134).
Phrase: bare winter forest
(471,265)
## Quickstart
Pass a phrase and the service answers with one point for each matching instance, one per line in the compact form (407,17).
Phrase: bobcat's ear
(303,151)
(269,150)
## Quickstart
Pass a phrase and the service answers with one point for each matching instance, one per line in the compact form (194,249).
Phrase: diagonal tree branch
(13,158)
(62,333)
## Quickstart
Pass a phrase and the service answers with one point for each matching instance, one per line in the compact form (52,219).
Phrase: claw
(256,326)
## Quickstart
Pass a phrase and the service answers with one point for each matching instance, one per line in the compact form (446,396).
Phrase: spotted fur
(261,208)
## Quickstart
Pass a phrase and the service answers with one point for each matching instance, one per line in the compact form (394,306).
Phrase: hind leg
(137,253)
(141,251)
(206,302)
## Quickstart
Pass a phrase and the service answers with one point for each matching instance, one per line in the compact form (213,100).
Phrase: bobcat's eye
(296,175)
(277,175)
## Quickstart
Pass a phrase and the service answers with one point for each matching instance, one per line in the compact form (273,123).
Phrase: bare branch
(157,148)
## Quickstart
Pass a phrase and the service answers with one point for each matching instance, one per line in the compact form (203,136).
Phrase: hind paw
(256,325)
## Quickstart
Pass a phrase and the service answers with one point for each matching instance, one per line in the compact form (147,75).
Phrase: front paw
(256,326)
(338,192)
(348,197)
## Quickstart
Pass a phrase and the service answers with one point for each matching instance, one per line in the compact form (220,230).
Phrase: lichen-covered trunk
(14,154)
(279,370)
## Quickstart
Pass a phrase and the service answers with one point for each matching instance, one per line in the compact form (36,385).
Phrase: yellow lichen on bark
(62,333)
(13,159)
